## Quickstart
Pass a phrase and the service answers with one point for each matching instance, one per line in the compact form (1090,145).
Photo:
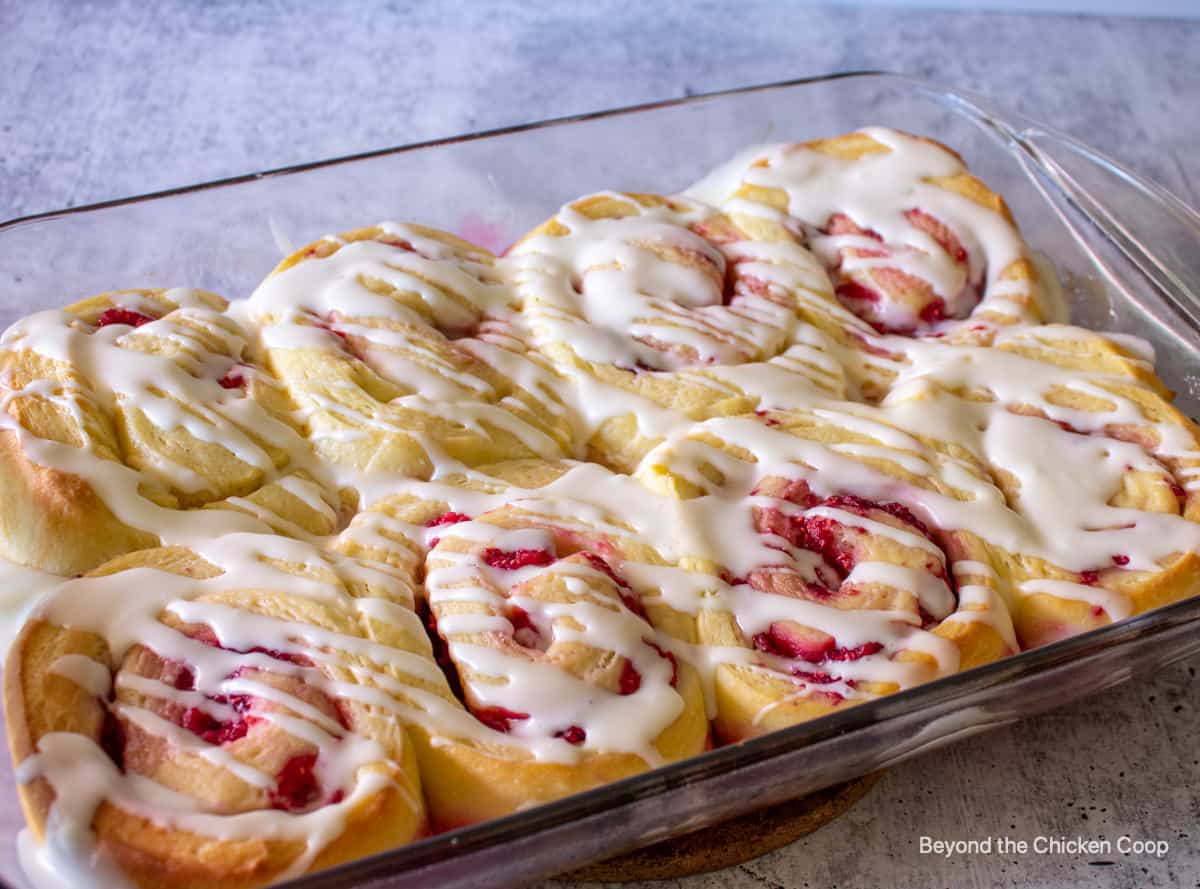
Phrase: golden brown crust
(53,520)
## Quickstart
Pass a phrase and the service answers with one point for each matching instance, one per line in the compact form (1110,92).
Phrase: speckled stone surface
(99,101)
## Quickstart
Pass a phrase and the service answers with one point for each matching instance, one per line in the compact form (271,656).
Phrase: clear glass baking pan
(1127,254)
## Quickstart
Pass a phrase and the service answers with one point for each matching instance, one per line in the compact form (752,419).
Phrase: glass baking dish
(1127,254)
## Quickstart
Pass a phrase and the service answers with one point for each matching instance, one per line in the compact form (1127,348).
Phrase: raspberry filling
(214,731)
(441,650)
(525,631)
(112,739)
(667,656)
(208,727)
(185,679)
(447,518)
(329,325)
(854,654)
(933,312)
(784,642)
(209,637)
(826,535)
(939,231)
(233,379)
(121,315)
(498,718)
(624,590)
(631,679)
(397,241)
(865,299)
(815,647)
(296,785)
(513,560)
(862,506)
(572,735)
(815,677)
(836,540)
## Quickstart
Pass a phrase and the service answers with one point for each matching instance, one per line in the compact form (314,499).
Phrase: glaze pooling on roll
(652,301)
(911,239)
(658,284)
(417,536)
(565,681)
(233,691)
(125,414)
(831,587)
(392,342)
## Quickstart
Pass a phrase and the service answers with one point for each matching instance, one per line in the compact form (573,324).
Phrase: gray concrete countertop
(101,100)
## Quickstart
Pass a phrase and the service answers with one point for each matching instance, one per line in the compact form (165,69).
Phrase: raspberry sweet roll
(219,715)
(127,412)
(1100,473)
(395,343)
(831,582)
(662,309)
(531,576)
(914,243)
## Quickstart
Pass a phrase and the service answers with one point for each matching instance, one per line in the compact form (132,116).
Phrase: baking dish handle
(1147,232)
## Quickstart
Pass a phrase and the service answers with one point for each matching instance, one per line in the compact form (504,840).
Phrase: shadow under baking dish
(1137,272)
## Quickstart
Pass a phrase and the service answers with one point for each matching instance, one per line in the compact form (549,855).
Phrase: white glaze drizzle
(631,302)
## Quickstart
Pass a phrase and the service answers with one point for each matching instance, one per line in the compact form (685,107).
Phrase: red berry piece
(668,656)
(211,729)
(447,518)
(298,659)
(233,379)
(939,231)
(625,591)
(441,651)
(1121,560)
(841,224)
(853,654)
(185,679)
(602,565)
(854,293)
(782,642)
(498,718)
(862,506)
(525,631)
(631,679)
(120,315)
(396,241)
(513,560)
(572,735)
(112,739)
(933,312)
(821,534)
(814,677)
(208,637)
(296,785)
